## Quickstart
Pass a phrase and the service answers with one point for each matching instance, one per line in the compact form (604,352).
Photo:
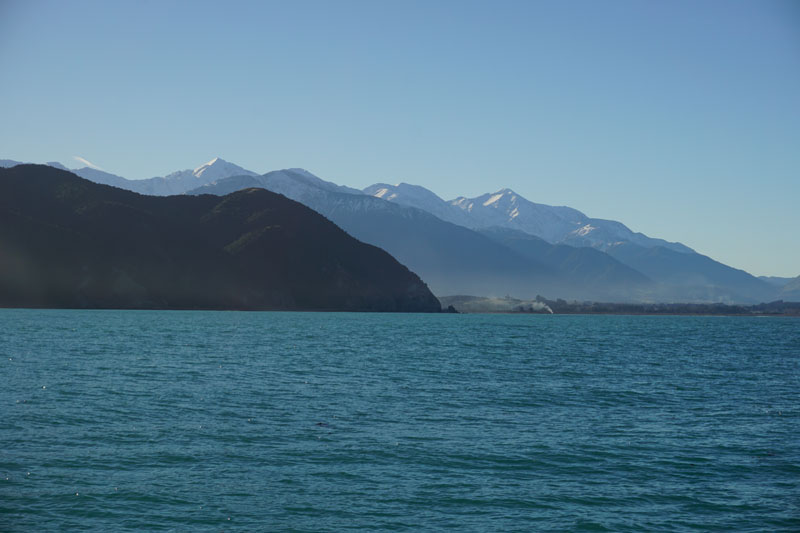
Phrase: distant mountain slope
(174,183)
(507,209)
(106,178)
(777,281)
(693,277)
(184,180)
(296,180)
(421,198)
(586,266)
(453,259)
(556,272)
(791,291)
(67,242)
(449,258)
(681,273)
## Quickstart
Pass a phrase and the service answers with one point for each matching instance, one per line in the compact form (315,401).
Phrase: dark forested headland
(66,242)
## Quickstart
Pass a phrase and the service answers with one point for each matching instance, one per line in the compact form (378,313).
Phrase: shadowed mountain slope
(579,266)
(680,273)
(692,277)
(495,261)
(555,272)
(449,258)
(67,242)
(175,183)
(452,259)
(507,209)
(791,290)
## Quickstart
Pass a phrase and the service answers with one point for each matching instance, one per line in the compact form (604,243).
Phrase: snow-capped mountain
(295,183)
(451,258)
(419,197)
(215,169)
(175,183)
(507,209)
(184,180)
(494,244)
(497,260)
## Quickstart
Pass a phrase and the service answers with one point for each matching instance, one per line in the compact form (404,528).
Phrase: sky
(680,119)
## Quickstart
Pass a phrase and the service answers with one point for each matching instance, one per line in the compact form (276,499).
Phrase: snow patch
(205,165)
(202,168)
(492,199)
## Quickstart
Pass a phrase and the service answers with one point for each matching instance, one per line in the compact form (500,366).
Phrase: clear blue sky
(680,119)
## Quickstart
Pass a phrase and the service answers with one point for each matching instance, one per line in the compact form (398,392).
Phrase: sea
(247,421)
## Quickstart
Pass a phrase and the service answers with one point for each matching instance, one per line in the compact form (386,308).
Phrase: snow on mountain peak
(202,168)
(384,193)
(218,168)
(492,199)
(184,180)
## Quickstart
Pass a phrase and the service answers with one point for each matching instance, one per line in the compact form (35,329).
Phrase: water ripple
(206,421)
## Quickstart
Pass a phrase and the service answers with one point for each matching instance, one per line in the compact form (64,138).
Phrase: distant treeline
(780,308)
(541,305)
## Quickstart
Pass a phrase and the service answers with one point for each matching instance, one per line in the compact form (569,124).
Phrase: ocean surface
(224,421)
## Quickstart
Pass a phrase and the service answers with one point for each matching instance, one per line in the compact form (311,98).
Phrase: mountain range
(68,242)
(492,245)
(507,209)
(174,183)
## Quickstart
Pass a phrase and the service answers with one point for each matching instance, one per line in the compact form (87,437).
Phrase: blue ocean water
(210,421)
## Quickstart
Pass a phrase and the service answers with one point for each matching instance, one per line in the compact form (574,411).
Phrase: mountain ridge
(177,182)
(452,258)
(506,208)
(574,274)
(445,255)
(558,225)
(69,242)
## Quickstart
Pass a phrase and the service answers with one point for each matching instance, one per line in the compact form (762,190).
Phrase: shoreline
(540,305)
(793,314)
(612,313)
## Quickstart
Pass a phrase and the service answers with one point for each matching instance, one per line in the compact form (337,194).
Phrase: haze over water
(213,421)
